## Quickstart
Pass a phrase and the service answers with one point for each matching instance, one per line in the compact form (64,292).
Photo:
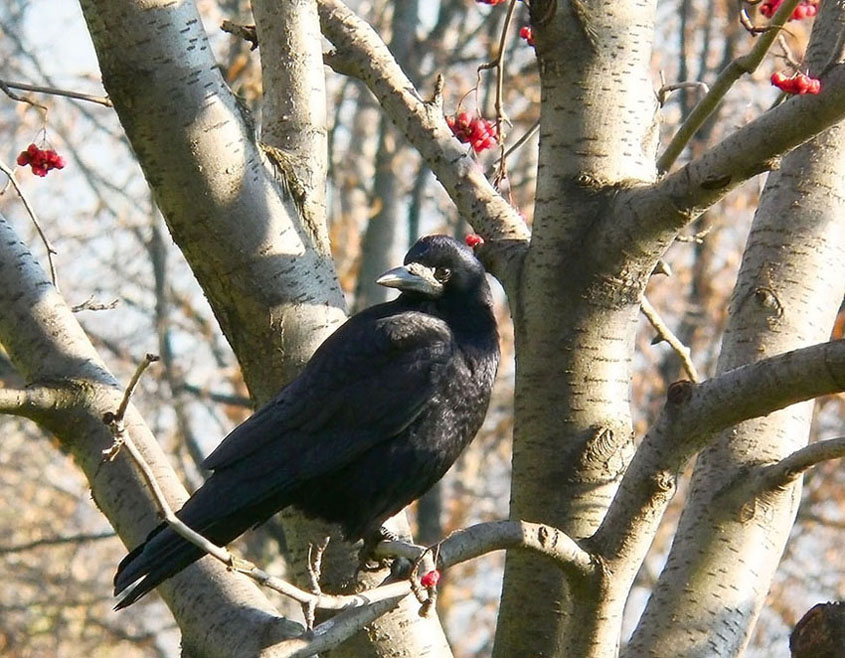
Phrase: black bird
(377,416)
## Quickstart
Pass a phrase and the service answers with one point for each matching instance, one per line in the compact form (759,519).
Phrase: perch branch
(477,540)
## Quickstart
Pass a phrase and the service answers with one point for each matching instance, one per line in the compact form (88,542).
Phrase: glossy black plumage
(378,415)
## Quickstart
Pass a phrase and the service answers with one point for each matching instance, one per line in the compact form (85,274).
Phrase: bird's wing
(367,382)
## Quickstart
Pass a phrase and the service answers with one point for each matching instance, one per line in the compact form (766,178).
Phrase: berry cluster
(807,9)
(528,34)
(491,2)
(430,579)
(797,84)
(40,160)
(479,132)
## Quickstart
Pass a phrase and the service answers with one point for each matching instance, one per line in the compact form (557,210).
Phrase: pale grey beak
(412,277)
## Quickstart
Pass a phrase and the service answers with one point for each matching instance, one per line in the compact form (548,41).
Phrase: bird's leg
(366,559)
(315,564)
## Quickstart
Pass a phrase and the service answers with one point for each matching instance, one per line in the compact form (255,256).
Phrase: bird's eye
(442,274)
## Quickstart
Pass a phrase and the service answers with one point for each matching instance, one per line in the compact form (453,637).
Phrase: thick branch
(693,414)
(31,402)
(364,55)
(294,110)
(771,477)
(45,342)
(669,204)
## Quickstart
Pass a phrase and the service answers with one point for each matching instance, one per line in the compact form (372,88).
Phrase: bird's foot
(367,560)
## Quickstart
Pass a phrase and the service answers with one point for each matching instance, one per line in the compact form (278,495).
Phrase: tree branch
(31,401)
(483,538)
(6,85)
(664,207)
(692,415)
(364,55)
(771,477)
(56,541)
(666,334)
(747,63)
(294,111)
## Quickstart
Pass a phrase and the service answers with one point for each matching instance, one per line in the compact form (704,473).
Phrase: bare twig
(91,304)
(221,398)
(31,212)
(665,90)
(501,117)
(245,32)
(7,86)
(666,334)
(57,541)
(516,145)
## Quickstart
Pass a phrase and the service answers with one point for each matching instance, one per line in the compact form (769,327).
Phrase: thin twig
(517,144)
(56,541)
(665,90)
(501,117)
(31,211)
(91,304)
(666,334)
(7,86)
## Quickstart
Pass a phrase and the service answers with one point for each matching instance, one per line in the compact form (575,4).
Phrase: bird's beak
(412,277)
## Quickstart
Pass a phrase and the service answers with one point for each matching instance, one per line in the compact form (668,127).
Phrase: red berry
(528,34)
(473,240)
(32,149)
(430,579)
(23,158)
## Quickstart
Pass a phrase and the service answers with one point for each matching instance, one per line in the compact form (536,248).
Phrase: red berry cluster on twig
(528,34)
(797,84)
(479,132)
(40,160)
(807,9)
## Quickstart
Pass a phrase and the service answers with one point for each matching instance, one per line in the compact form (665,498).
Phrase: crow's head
(437,266)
